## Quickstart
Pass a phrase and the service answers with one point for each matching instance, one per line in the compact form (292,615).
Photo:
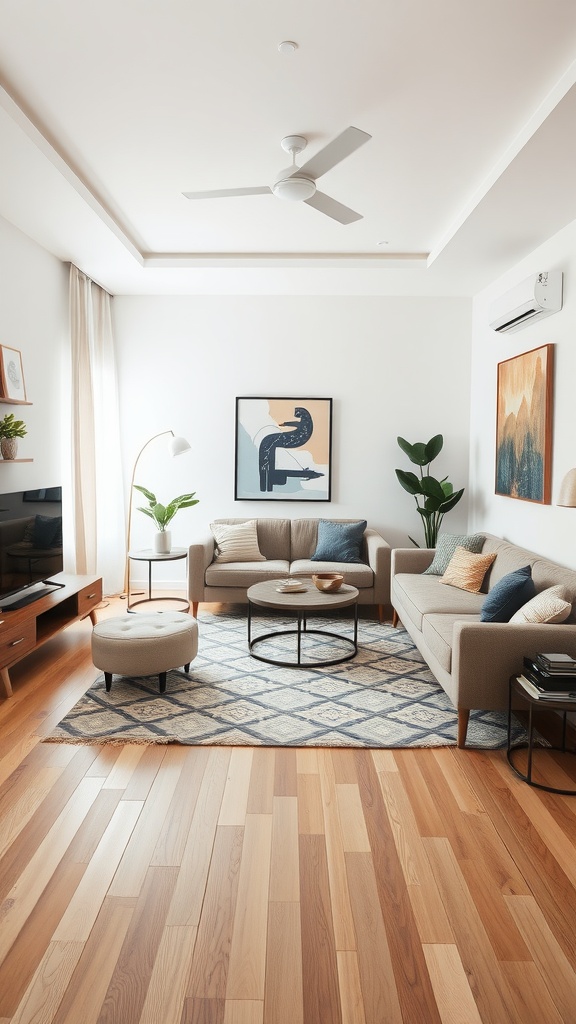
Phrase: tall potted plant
(434,498)
(162,515)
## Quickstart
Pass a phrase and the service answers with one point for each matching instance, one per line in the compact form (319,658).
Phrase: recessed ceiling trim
(263,259)
(543,110)
(58,161)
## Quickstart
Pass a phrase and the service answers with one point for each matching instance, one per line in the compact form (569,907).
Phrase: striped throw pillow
(548,606)
(467,570)
(237,542)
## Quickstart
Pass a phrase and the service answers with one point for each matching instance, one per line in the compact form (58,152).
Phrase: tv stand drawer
(16,641)
(88,598)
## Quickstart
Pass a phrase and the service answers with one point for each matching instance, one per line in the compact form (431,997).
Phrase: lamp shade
(179,445)
(567,494)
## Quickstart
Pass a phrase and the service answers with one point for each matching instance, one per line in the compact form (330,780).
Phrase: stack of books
(550,676)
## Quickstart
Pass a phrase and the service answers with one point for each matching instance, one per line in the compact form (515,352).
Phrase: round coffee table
(302,604)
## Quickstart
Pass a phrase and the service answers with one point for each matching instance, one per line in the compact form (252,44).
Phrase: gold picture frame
(524,426)
(12,374)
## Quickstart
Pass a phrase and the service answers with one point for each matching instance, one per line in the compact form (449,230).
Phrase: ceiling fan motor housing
(295,188)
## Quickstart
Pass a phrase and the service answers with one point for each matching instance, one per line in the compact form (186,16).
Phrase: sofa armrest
(486,654)
(378,555)
(411,559)
(200,555)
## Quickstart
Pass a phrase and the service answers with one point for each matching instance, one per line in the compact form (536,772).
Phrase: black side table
(515,686)
(150,556)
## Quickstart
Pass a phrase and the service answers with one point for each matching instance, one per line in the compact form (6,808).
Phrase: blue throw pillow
(47,532)
(508,595)
(339,542)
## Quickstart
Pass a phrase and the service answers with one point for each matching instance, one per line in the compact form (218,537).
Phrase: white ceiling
(109,112)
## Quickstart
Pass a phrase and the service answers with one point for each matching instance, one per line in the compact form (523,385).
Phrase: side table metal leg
(530,739)
(249,624)
(299,642)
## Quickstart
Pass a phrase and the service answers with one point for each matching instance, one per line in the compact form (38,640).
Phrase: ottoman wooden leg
(108,681)
(187,667)
(162,682)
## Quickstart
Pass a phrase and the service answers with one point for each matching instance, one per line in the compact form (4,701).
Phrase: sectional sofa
(471,659)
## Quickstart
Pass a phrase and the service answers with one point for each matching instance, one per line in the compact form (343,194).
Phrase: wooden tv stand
(23,630)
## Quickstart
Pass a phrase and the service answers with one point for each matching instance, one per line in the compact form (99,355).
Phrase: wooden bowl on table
(328,582)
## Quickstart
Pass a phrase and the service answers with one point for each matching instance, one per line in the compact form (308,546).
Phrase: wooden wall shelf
(13,401)
(14,460)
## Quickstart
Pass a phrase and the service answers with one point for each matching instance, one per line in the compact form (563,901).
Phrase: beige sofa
(287,545)
(473,660)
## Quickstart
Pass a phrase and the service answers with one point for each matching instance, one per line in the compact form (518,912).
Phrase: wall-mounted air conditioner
(536,297)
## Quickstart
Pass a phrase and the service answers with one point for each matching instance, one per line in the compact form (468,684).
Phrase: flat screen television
(30,544)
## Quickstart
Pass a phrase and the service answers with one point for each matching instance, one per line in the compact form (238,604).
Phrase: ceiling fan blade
(325,204)
(223,193)
(342,146)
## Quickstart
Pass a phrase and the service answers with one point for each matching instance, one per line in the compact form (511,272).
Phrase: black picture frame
(283,449)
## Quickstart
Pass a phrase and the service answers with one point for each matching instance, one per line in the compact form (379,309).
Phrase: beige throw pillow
(467,570)
(237,542)
(548,606)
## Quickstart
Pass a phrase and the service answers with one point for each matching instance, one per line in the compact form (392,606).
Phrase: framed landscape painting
(524,426)
(283,449)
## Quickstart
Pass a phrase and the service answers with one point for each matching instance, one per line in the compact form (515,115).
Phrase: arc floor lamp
(177,446)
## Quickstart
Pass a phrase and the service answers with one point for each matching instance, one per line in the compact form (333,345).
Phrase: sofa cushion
(508,595)
(237,543)
(244,574)
(273,536)
(446,546)
(339,542)
(467,570)
(357,575)
(548,606)
(437,631)
(418,595)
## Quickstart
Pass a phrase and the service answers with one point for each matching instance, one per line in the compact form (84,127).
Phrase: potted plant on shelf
(162,515)
(10,430)
(438,496)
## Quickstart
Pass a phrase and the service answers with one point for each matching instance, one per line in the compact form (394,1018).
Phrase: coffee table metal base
(300,632)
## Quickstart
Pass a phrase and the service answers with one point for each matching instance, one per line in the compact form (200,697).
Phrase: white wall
(547,529)
(392,365)
(34,319)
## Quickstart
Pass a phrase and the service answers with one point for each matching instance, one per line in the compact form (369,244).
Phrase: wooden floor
(177,885)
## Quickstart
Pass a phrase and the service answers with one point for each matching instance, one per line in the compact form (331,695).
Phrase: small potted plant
(162,515)
(437,497)
(10,430)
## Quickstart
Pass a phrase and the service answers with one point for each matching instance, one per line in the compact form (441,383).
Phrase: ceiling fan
(298,184)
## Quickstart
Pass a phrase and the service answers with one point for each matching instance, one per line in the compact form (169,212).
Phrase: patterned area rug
(385,697)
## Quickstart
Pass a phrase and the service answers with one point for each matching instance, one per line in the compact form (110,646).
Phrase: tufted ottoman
(144,645)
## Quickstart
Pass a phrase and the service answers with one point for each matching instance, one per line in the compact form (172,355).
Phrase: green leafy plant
(434,498)
(9,427)
(164,514)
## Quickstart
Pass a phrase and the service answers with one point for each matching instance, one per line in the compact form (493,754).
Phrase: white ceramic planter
(163,542)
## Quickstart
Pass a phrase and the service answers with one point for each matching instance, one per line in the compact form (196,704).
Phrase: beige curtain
(97,506)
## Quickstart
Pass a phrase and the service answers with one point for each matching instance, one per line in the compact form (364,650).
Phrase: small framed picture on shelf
(12,374)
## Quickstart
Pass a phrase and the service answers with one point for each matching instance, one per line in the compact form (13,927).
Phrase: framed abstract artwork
(283,449)
(524,425)
(11,374)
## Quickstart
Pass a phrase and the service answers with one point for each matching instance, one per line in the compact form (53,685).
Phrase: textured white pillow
(548,606)
(237,542)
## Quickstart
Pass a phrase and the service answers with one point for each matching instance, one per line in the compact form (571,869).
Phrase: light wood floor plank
(320,970)
(350,988)
(247,969)
(246,1011)
(453,995)
(284,867)
(209,971)
(49,984)
(88,986)
(29,887)
(167,989)
(284,997)
(342,919)
(83,909)
(124,766)
(235,799)
(173,837)
(354,834)
(188,898)
(546,953)
(310,811)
